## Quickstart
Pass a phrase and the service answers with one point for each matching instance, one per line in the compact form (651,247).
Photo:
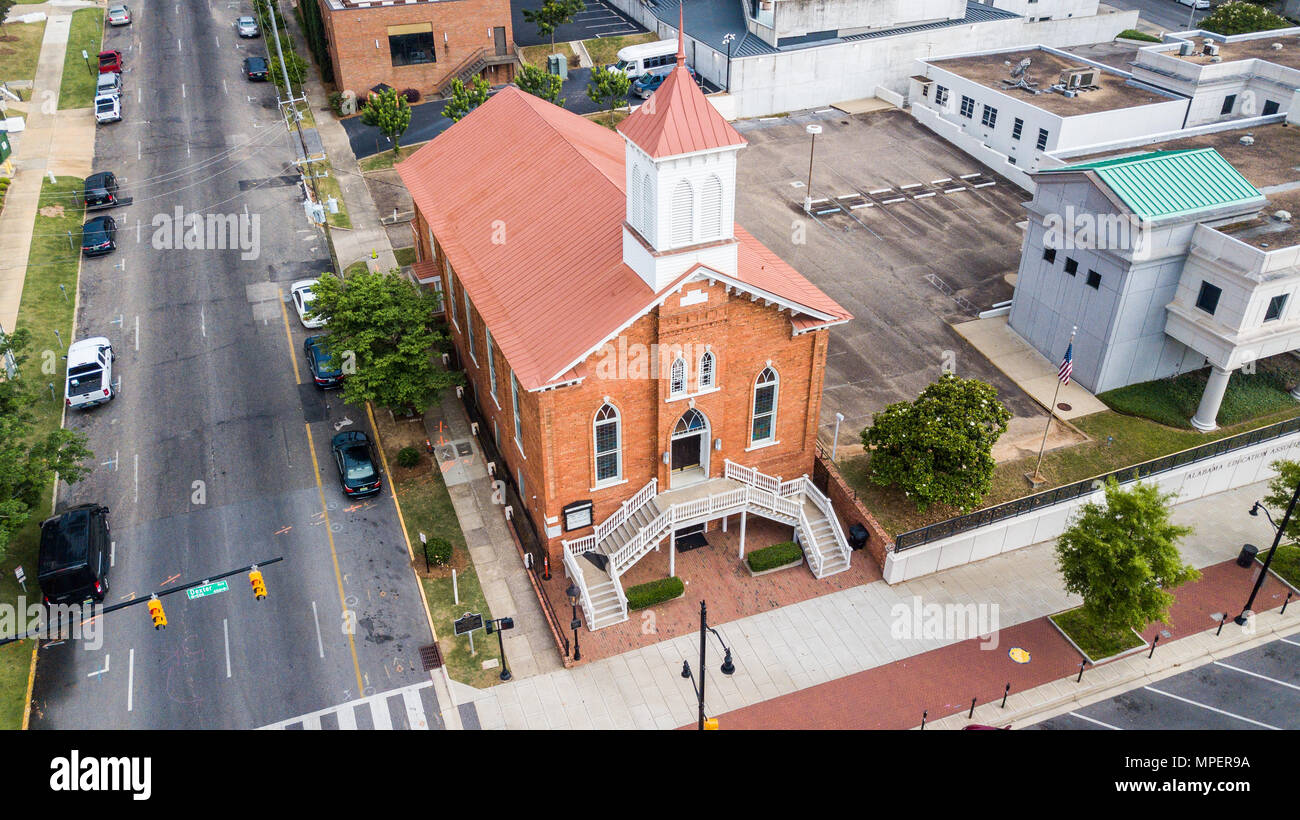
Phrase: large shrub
(1241,18)
(654,592)
(438,551)
(777,555)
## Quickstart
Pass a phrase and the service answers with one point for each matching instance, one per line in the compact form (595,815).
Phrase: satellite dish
(1020,69)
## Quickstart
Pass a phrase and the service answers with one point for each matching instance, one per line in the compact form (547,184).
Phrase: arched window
(692,421)
(634,200)
(609,452)
(765,390)
(683,214)
(647,226)
(677,377)
(706,370)
(711,208)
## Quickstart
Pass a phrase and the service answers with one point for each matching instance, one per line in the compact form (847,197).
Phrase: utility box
(558,64)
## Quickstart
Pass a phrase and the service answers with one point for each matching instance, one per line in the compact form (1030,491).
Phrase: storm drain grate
(430,657)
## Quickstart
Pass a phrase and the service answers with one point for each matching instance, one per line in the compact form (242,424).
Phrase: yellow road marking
(297,376)
(338,576)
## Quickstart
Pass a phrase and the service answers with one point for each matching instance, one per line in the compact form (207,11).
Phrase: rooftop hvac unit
(1185,48)
(1079,77)
(1247,140)
(1276,46)
(1210,49)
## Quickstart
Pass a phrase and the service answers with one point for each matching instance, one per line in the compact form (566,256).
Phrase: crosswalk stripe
(378,707)
(347,717)
(379,710)
(415,710)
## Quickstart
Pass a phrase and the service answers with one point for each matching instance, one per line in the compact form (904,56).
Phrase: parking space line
(1094,720)
(130,680)
(225,629)
(1257,675)
(1210,708)
(968,176)
(879,191)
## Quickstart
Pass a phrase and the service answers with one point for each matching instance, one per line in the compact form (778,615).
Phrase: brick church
(644,363)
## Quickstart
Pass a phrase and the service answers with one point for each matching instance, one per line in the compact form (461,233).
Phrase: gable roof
(1159,184)
(535,233)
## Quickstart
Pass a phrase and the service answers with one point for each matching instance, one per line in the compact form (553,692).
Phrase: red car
(110,61)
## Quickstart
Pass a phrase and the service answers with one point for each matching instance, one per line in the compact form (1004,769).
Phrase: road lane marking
(100,672)
(182,90)
(203,324)
(1256,675)
(224,87)
(329,533)
(297,377)
(225,628)
(320,645)
(130,680)
(136,471)
(137,332)
(1209,708)
(112,553)
(1094,720)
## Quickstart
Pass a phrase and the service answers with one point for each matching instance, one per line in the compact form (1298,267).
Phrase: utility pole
(309,173)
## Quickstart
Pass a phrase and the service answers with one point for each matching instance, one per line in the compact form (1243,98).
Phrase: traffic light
(259,586)
(710,724)
(156,613)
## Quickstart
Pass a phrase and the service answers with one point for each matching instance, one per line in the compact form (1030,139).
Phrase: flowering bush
(1239,17)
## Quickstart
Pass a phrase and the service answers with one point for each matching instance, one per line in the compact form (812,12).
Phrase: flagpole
(1051,413)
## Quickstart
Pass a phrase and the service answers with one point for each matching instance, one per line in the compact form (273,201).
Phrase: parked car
(109,84)
(1200,4)
(318,360)
(75,556)
(100,191)
(300,293)
(119,15)
(355,459)
(99,236)
(90,373)
(108,108)
(647,84)
(255,69)
(247,27)
(110,60)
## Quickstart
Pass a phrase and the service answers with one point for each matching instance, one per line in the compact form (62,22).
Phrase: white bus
(646,58)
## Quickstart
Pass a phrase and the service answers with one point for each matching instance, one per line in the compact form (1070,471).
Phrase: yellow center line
(338,576)
(297,377)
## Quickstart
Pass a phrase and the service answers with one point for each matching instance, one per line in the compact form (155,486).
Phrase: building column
(743,513)
(672,553)
(725,517)
(1295,394)
(1211,399)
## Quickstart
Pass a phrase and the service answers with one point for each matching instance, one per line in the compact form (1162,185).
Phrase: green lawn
(386,159)
(607,119)
(20,48)
(78,87)
(536,55)
(329,187)
(1173,401)
(1095,643)
(604,50)
(405,256)
(1286,563)
(42,310)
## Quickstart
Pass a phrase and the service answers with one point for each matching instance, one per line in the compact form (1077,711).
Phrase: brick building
(643,363)
(420,44)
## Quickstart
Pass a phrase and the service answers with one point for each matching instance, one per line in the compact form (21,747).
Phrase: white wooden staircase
(596,561)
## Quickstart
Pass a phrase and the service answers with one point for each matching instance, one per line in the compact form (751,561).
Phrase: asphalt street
(1166,15)
(216,454)
(1257,689)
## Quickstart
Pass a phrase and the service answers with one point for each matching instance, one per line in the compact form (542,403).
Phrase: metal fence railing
(1047,498)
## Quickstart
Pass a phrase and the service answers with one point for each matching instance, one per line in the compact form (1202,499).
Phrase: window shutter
(711,209)
(683,214)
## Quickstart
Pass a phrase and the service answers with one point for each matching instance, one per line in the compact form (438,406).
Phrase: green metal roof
(1171,183)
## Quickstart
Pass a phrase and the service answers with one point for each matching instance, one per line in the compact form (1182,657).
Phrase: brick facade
(359,48)
(556,452)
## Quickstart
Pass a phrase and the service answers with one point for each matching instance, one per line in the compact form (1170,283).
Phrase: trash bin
(858,536)
(1247,556)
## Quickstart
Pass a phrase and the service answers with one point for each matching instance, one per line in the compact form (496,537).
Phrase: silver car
(246,26)
(119,15)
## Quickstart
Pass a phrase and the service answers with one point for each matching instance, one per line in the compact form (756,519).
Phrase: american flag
(1067,365)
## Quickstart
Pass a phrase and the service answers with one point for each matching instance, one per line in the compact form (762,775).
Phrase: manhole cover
(430,657)
(464,449)
(1062,406)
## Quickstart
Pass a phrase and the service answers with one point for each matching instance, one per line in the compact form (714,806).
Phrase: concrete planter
(781,568)
(1079,649)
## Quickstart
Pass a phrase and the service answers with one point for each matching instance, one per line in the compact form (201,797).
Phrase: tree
(608,87)
(465,99)
(381,335)
(1121,556)
(540,84)
(297,70)
(389,112)
(1280,490)
(5,5)
(939,448)
(552,15)
(28,461)
(1240,17)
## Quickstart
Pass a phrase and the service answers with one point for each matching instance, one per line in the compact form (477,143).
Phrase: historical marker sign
(468,622)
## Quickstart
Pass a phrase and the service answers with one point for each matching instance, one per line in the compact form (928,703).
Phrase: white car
(90,373)
(108,108)
(1198,4)
(109,84)
(300,293)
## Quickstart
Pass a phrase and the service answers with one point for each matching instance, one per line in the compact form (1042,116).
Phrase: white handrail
(571,564)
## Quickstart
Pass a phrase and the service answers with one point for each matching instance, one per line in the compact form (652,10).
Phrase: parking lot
(907,232)
(598,19)
(1255,689)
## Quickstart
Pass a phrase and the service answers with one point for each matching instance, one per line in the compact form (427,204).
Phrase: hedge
(777,555)
(1134,34)
(654,592)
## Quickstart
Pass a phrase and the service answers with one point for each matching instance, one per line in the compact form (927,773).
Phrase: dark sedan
(318,363)
(255,69)
(355,459)
(99,236)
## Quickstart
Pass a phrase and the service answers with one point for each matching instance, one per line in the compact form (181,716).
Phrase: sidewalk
(58,142)
(844,633)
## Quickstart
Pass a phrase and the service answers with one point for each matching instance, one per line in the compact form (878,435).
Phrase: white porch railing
(575,574)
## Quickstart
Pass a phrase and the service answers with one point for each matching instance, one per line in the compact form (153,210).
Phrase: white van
(645,58)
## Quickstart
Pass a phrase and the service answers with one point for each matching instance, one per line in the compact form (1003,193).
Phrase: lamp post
(728,668)
(573,592)
(813,129)
(839,417)
(500,625)
(1240,620)
(727,39)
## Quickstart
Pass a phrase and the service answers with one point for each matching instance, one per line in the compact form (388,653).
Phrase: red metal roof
(528,203)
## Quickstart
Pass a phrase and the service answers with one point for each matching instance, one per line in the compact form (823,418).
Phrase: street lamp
(728,668)
(500,625)
(1240,620)
(573,592)
(839,417)
(1255,510)
(727,40)
(813,129)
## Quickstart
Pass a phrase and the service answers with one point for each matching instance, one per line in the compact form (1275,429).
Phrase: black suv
(99,236)
(355,459)
(255,68)
(75,556)
(101,191)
